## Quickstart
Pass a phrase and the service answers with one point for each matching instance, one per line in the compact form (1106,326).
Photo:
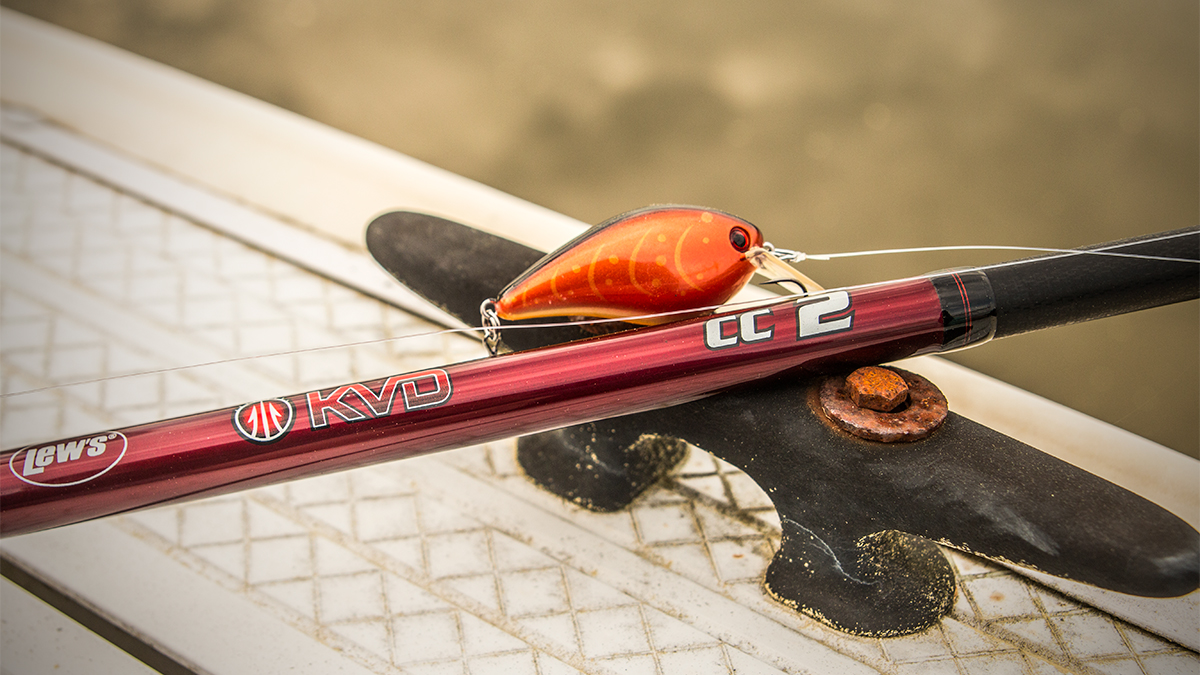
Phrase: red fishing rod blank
(363,423)
(357,424)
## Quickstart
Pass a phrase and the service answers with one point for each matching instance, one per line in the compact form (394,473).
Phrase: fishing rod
(357,424)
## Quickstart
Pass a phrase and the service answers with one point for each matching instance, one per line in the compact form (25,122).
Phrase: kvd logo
(358,402)
(264,421)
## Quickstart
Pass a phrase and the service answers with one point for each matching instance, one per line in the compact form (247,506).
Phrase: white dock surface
(454,563)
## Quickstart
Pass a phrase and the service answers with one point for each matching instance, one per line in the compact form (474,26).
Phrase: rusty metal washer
(926,410)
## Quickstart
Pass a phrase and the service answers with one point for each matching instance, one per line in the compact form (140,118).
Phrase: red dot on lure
(649,261)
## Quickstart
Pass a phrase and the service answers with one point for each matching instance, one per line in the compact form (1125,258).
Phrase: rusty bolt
(925,412)
(876,388)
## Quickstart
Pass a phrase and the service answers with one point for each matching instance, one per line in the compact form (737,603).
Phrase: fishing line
(236,359)
(394,338)
(782,254)
(398,338)
(797,256)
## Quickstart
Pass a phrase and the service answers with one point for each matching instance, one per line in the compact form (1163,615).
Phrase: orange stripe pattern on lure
(646,262)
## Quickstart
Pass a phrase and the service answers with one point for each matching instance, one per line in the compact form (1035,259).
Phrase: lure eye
(739,239)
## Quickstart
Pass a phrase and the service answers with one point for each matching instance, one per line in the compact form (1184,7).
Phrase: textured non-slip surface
(453,563)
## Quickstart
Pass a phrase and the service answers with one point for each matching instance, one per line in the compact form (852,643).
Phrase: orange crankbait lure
(645,262)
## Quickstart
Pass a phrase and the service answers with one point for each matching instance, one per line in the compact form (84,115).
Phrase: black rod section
(1065,288)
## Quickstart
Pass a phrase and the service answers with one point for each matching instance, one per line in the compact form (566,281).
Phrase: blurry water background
(833,125)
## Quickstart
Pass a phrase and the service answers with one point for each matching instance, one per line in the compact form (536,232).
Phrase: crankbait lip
(771,262)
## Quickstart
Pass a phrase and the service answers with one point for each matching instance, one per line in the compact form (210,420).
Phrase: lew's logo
(357,402)
(69,462)
(264,421)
